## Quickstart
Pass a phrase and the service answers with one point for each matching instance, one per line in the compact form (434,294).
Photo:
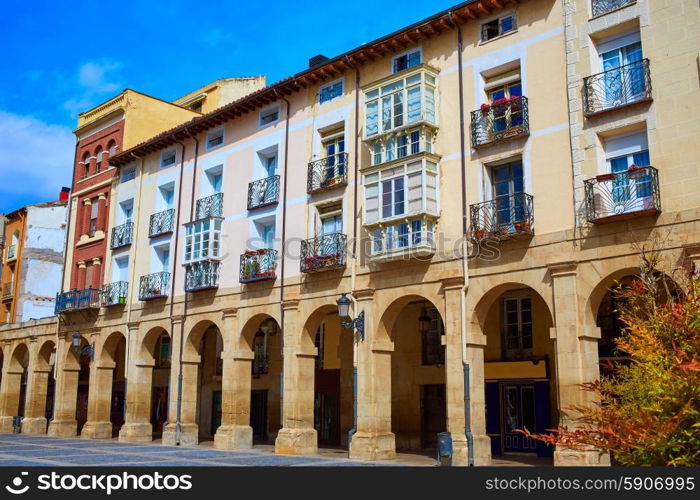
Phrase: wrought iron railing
(122,235)
(504,217)
(601,7)
(115,294)
(263,192)
(161,223)
(154,286)
(74,300)
(400,238)
(202,275)
(211,206)
(7,289)
(500,120)
(620,195)
(11,252)
(327,172)
(258,265)
(628,84)
(323,253)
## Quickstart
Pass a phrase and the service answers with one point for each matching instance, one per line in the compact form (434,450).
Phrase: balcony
(617,87)
(11,252)
(263,192)
(601,7)
(161,223)
(404,238)
(154,286)
(500,120)
(623,195)
(115,294)
(211,206)
(202,275)
(323,253)
(122,235)
(78,300)
(258,265)
(327,173)
(7,290)
(506,217)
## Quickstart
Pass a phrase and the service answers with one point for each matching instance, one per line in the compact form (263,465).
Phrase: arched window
(112,147)
(85,166)
(98,155)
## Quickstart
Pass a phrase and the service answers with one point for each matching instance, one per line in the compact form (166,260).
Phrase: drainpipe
(353,268)
(284,235)
(465,250)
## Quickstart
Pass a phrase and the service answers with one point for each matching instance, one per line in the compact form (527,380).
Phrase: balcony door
(508,189)
(334,165)
(629,191)
(506,116)
(623,80)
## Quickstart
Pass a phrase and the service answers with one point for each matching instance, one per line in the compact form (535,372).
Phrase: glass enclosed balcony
(323,253)
(617,87)
(258,265)
(203,275)
(154,286)
(409,237)
(211,206)
(500,120)
(503,218)
(623,195)
(263,192)
(161,223)
(115,294)
(122,235)
(327,173)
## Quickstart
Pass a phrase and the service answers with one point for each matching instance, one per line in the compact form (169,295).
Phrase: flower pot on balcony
(262,251)
(485,109)
(121,301)
(605,177)
(479,234)
(250,253)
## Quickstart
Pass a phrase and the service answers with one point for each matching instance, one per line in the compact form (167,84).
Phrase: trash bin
(16,424)
(444,457)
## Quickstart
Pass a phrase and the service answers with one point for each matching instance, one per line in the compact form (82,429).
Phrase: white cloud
(95,79)
(36,158)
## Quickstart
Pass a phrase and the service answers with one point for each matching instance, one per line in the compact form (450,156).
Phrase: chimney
(317,60)
(63,196)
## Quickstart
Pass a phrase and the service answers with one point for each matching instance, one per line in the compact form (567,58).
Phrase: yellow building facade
(474,183)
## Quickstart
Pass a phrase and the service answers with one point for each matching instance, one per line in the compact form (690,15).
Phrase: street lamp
(88,349)
(424,322)
(358,323)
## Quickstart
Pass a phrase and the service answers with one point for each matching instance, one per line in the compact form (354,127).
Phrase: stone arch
(388,317)
(110,346)
(19,361)
(43,358)
(192,344)
(486,301)
(147,347)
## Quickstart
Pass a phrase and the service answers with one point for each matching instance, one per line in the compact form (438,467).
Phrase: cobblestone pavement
(21,450)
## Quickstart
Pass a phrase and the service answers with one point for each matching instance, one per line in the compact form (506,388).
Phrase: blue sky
(62,58)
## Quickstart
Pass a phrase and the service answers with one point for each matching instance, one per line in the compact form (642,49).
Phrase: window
(128,173)
(215,139)
(331,223)
(93,218)
(268,160)
(621,153)
(215,180)
(498,27)
(405,189)
(269,116)
(162,261)
(517,327)
(98,155)
(432,350)
(624,79)
(120,271)
(330,91)
(507,184)
(401,102)
(163,351)
(335,159)
(203,240)
(127,210)
(405,144)
(407,60)
(112,148)
(267,233)
(197,106)
(86,166)
(167,196)
(167,158)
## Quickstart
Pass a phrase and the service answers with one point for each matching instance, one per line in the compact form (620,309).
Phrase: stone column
(96,274)
(87,215)
(82,273)
(64,423)
(137,422)
(101,212)
(373,439)
(34,421)
(297,436)
(235,432)
(99,425)
(182,428)
(476,343)
(576,359)
(9,390)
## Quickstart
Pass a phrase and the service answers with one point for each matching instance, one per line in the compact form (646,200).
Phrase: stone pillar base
(234,437)
(296,442)
(576,458)
(189,435)
(460,452)
(34,425)
(371,446)
(136,432)
(96,430)
(63,428)
(6,425)
(482,450)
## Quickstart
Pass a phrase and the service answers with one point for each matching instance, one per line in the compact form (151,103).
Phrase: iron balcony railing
(161,223)
(7,289)
(263,192)
(327,173)
(203,275)
(115,294)
(258,265)
(601,7)
(211,206)
(413,235)
(122,235)
(617,87)
(154,286)
(75,300)
(505,217)
(323,253)
(621,195)
(500,120)
(11,252)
